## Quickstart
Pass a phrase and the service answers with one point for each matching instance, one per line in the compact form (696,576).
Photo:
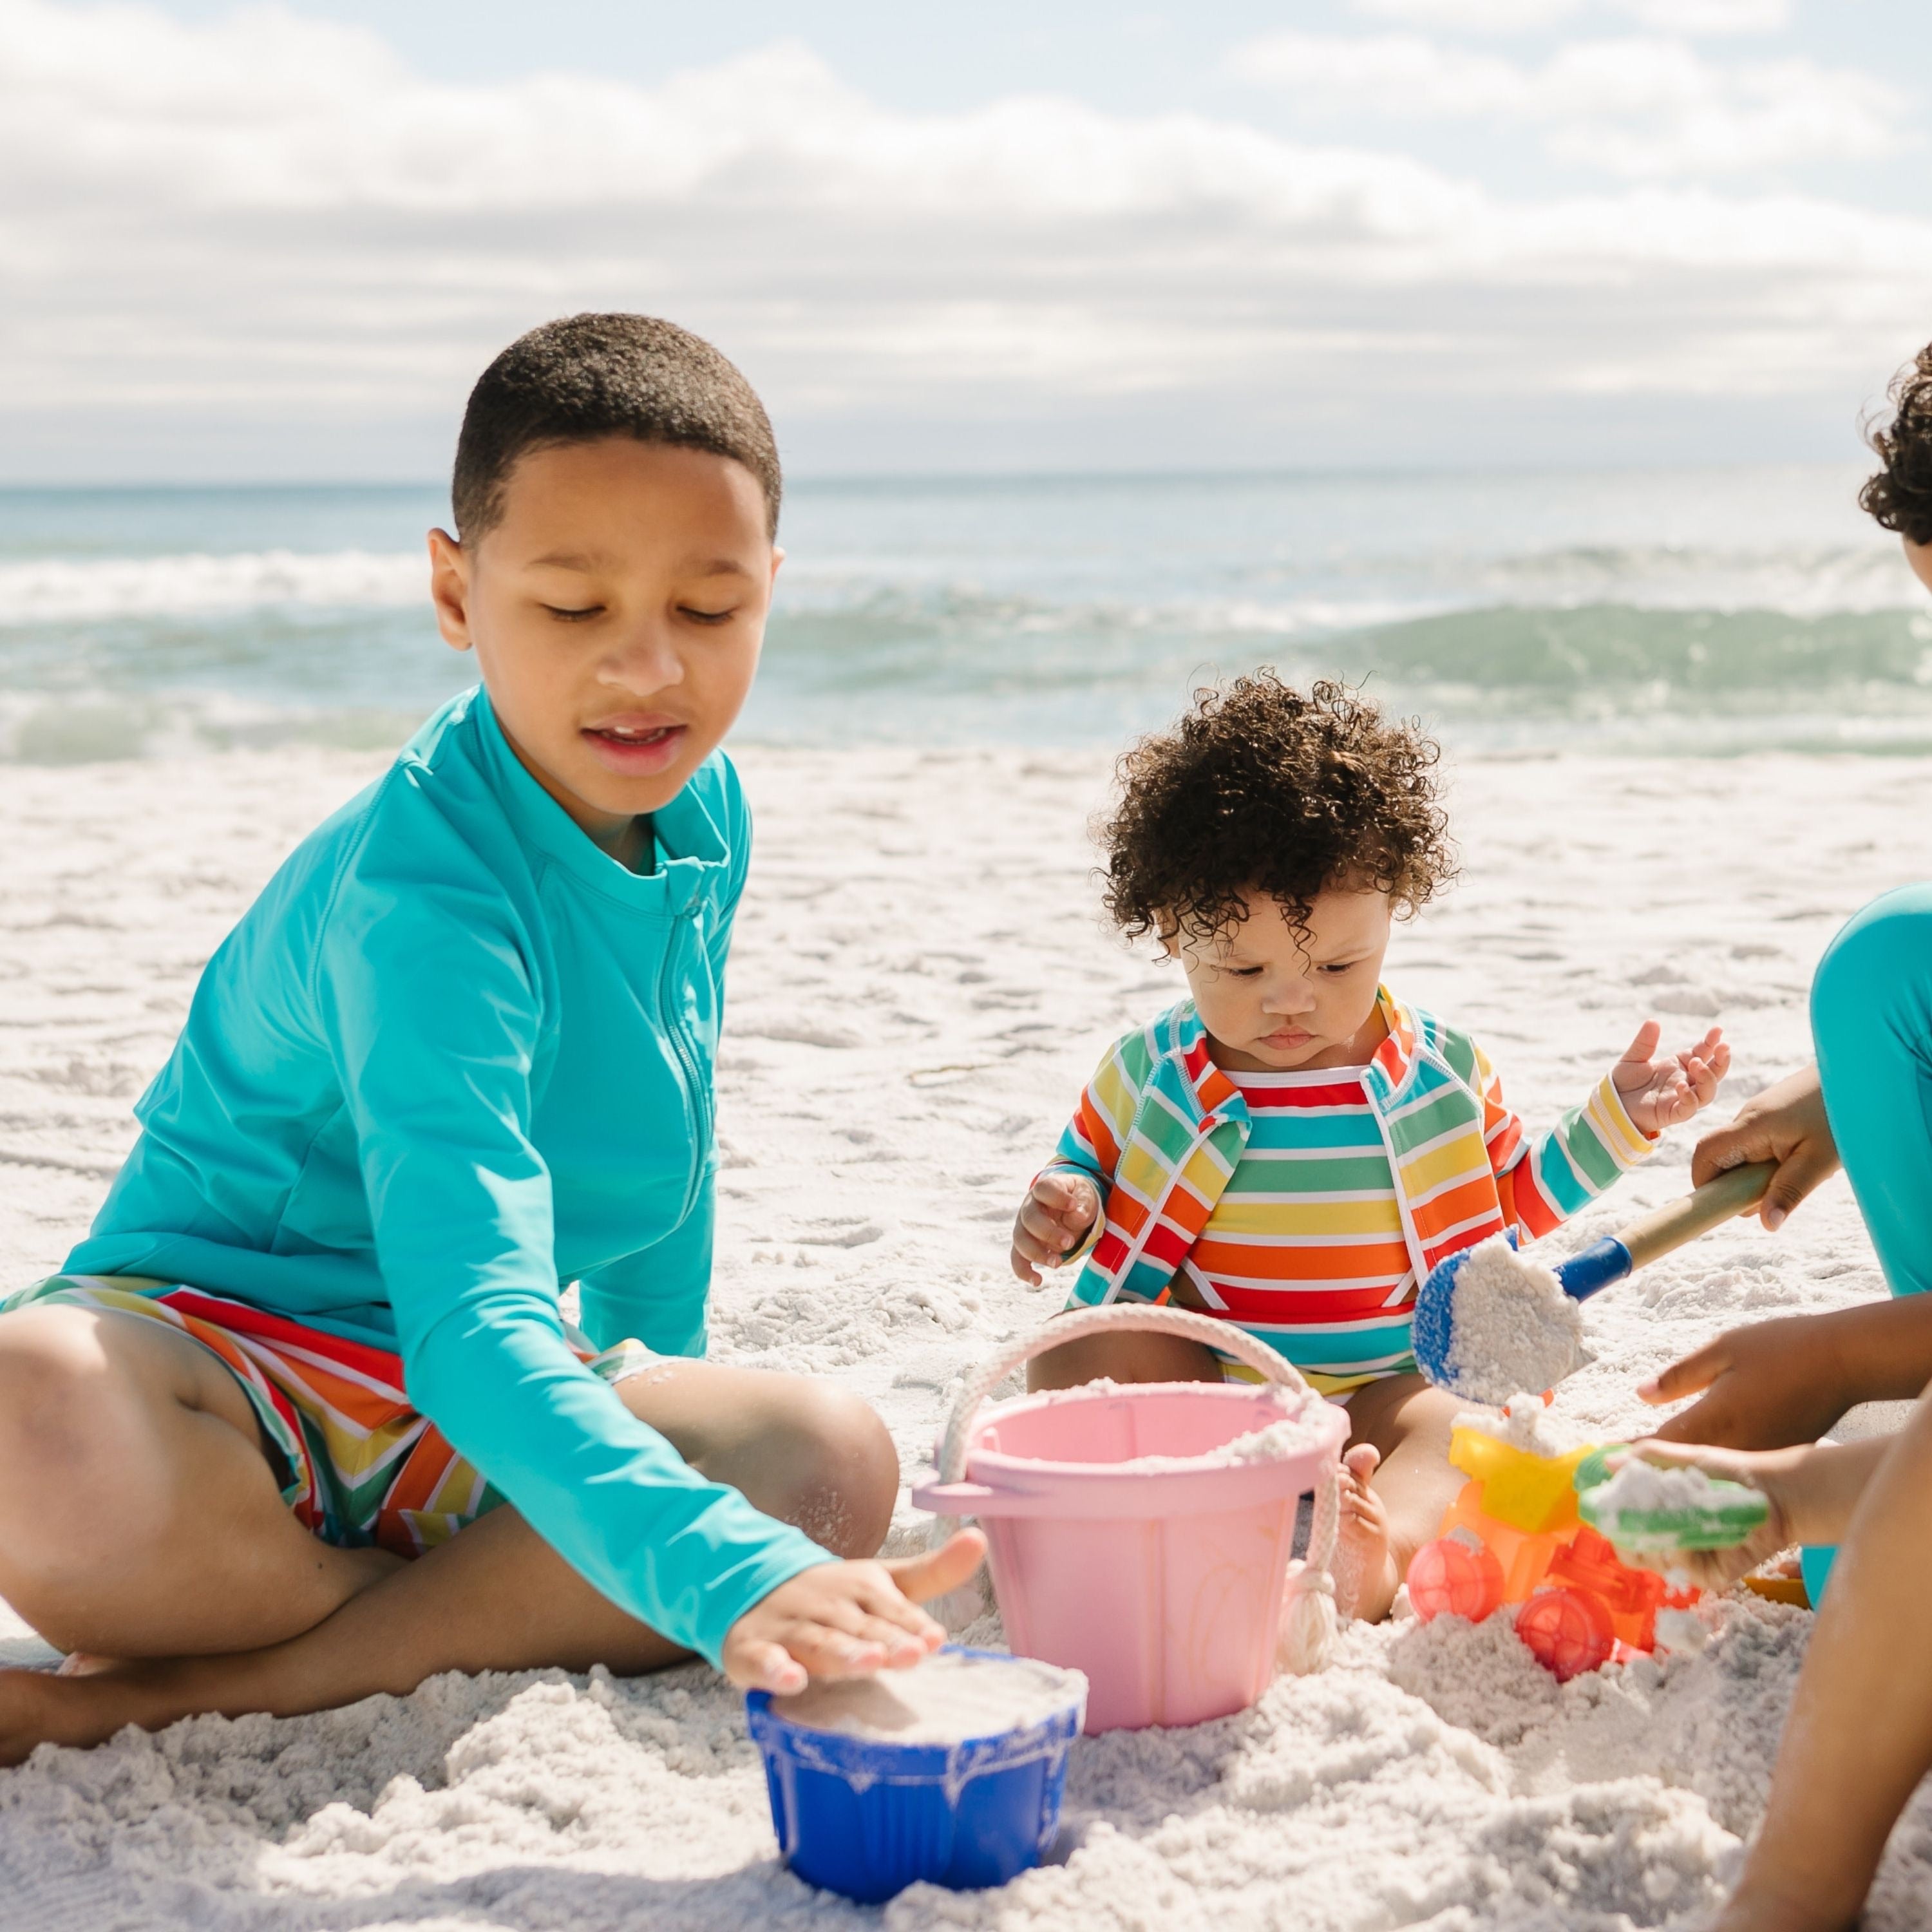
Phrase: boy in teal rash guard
(458,1055)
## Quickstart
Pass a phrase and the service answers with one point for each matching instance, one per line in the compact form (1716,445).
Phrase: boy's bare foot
(1366,1578)
(40,1707)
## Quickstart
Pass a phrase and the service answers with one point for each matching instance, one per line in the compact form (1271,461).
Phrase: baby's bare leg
(139,1516)
(496,1597)
(1407,1423)
(1859,1736)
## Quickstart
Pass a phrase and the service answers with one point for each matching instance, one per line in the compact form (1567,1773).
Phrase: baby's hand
(847,1619)
(1659,1093)
(1053,1221)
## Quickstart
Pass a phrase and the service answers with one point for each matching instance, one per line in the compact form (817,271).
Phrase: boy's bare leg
(496,1598)
(1859,1736)
(1400,1482)
(139,1513)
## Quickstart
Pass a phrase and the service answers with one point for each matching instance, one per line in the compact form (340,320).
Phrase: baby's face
(1274,1000)
(617,612)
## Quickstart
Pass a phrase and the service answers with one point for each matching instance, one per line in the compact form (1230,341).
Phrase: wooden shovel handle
(1734,1192)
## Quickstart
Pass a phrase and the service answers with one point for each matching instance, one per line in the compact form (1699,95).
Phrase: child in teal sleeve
(1858,1740)
(255,1438)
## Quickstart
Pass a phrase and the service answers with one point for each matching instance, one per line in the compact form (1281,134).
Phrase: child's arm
(433,1022)
(1545,1180)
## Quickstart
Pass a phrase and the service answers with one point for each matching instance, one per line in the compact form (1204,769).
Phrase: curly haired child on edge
(1351,1140)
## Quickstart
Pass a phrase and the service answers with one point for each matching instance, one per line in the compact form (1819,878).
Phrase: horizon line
(860,479)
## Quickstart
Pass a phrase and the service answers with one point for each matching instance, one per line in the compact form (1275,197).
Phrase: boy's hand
(1764,1387)
(1053,1221)
(1787,1123)
(847,1619)
(1658,1093)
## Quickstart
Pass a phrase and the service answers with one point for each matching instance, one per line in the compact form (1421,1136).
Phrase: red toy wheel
(1568,1631)
(1455,1577)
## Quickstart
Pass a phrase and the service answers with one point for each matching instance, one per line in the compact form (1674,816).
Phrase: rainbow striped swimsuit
(357,1464)
(1308,1207)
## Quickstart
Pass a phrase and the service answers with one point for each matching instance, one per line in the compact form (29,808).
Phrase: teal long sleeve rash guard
(455,1058)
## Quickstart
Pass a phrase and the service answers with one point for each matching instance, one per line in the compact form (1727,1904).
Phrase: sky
(279,242)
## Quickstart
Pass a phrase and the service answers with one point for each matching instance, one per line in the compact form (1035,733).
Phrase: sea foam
(58,590)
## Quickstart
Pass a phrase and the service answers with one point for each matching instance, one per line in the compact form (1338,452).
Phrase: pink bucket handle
(1118,1319)
(1309,1627)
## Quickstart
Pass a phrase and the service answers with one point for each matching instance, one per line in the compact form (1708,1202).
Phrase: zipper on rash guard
(697,1089)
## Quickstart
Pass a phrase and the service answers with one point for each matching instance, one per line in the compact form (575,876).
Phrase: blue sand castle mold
(867,1818)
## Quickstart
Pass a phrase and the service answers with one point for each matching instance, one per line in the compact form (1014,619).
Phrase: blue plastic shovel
(1597,1266)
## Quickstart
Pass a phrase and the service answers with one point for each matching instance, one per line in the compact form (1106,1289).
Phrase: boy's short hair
(588,376)
(1265,789)
(1900,496)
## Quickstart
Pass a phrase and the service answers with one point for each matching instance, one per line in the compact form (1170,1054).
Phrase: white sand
(947,1700)
(1514,1327)
(919,988)
(1527,1423)
(1291,1434)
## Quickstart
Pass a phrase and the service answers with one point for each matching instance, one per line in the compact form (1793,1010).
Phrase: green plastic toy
(1726,1515)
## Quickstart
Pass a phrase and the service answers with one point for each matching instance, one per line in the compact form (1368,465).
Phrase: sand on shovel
(1514,1329)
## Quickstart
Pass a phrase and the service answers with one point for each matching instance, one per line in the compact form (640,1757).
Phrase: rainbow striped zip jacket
(1160,1128)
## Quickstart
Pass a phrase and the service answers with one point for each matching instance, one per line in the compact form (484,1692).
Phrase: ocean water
(1709,610)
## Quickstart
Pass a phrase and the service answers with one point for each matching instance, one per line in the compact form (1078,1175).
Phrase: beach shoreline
(920,984)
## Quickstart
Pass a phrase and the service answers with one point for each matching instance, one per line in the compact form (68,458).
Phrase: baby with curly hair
(1293,1146)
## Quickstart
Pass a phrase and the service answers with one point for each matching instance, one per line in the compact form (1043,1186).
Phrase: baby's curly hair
(1263,788)
(1900,496)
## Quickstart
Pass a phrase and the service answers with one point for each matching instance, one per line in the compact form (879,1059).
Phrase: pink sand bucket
(1141,1532)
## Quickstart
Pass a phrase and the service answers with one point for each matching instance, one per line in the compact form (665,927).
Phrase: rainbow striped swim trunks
(360,1466)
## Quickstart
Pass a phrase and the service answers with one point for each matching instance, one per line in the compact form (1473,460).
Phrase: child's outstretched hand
(1766,1386)
(1658,1093)
(1052,1222)
(847,1619)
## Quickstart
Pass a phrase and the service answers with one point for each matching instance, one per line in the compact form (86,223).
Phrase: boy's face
(1919,555)
(1275,1001)
(617,611)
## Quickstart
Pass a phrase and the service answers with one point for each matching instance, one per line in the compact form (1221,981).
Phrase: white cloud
(272,216)
(1637,107)
(1476,17)
(1710,17)
(1516,16)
